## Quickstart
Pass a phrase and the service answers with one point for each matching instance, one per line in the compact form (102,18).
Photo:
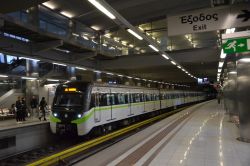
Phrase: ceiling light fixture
(134,34)
(153,47)
(49,5)
(80,68)
(219,70)
(59,64)
(29,59)
(165,56)
(245,60)
(222,54)
(4,76)
(102,9)
(173,62)
(54,80)
(29,78)
(97,71)
(221,64)
(67,14)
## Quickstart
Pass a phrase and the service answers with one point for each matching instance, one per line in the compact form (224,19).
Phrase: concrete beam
(44,46)
(155,60)
(19,48)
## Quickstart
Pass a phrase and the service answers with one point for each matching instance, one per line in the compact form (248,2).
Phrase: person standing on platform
(219,95)
(33,106)
(42,106)
(18,110)
(23,109)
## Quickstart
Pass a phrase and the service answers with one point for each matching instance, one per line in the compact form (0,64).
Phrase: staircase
(10,98)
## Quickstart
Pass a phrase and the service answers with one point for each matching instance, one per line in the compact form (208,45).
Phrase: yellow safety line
(79,148)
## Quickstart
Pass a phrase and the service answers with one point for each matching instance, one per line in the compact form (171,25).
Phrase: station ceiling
(200,59)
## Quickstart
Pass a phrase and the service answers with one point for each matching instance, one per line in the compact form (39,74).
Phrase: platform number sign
(236,45)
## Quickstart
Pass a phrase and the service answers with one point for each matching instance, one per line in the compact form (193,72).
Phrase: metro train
(82,107)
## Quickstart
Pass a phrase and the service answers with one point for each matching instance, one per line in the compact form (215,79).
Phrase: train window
(141,97)
(112,99)
(92,102)
(121,98)
(157,97)
(126,98)
(148,97)
(69,99)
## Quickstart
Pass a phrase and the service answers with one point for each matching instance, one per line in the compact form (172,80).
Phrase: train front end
(69,105)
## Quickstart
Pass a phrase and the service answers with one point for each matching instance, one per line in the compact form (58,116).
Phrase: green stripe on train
(54,119)
(91,112)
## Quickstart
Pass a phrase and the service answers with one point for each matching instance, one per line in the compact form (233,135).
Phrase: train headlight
(79,115)
(55,114)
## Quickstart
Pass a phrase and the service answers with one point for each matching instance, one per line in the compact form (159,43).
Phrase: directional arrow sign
(236,45)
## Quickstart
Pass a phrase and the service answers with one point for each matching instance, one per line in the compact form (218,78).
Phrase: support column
(32,87)
(97,77)
(33,16)
(71,73)
(243,97)
(231,83)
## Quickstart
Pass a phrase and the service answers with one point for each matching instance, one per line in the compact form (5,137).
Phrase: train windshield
(69,100)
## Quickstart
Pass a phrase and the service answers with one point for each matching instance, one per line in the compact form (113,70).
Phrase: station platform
(199,135)
(11,123)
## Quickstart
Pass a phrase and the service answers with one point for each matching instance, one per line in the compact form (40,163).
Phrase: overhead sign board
(236,45)
(209,20)
(236,42)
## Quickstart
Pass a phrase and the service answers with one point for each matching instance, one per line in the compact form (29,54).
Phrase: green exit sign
(236,45)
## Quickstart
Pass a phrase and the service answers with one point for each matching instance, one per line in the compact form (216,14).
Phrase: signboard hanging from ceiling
(209,19)
(236,42)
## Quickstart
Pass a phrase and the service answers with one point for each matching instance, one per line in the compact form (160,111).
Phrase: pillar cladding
(243,97)
(71,73)
(231,89)
(31,85)
(33,16)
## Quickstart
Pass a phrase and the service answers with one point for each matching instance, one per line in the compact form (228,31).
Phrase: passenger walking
(18,110)
(33,106)
(219,95)
(23,109)
(42,106)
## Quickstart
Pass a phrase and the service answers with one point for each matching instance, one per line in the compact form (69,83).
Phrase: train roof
(79,84)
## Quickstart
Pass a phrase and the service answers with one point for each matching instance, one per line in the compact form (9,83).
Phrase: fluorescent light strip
(221,64)
(29,78)
(29,59)
(59,64)
(173,62)
(3,76)
(129,77)
(49,5)
(120,75)
(85,37)
(222,54)
(102,9)
(135,34)
(110,74)
(80,68)
(154,48)
(67,14)
(219,70)
(54,80)
(165,56)
(245,60)
(179,67)
(97,71)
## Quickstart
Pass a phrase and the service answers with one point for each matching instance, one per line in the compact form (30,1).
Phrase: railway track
(81,151)
(69,150)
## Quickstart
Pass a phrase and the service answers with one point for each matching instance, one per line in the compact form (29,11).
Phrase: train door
(128,100)
(97,110)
